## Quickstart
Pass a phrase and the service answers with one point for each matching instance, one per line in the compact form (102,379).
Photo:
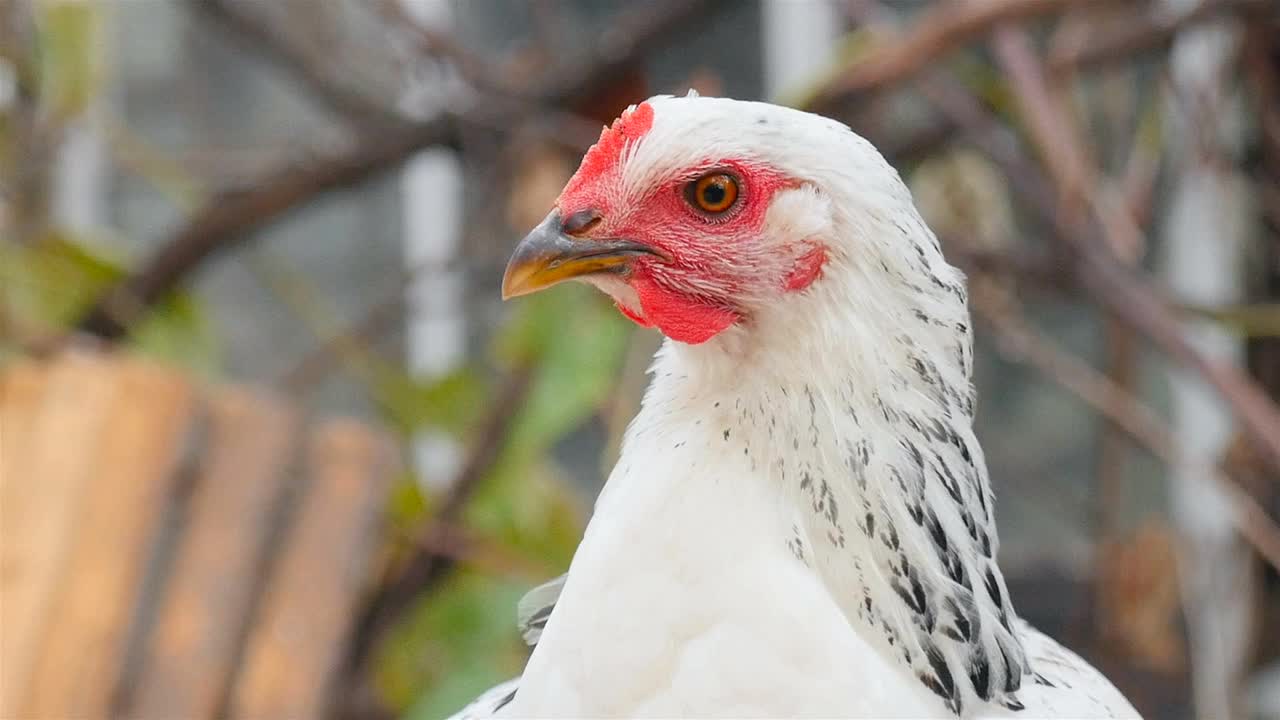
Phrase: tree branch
(354,109)
(228,218)
(1145,33)
(1126,293)
(473,68)
(1115,403)
(939,30)
(424,568)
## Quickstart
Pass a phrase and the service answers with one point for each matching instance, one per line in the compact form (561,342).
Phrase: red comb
(607,152)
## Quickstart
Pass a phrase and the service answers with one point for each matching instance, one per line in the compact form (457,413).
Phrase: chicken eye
(713,193)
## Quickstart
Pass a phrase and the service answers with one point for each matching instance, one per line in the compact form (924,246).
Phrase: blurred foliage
(464,642)
(576,339)
(452,402)
(524,521)
(461,637)
(49,277)
(46,285)
(69,71)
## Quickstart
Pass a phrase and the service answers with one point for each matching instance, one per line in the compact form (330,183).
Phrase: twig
(1142,34)
(353,108)
(1120,407)
(939,30)
(1048,121)
(1121,346)
(1032,268)
(424,569)
(473,68)
(1076,179)
(1121,364)
(379,318)
(228,219)
(1124,292)
(1264,81)
(1133,300)
(636,31)
(315,365)
(455,543)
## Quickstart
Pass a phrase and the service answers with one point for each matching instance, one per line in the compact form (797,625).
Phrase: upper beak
(547,256)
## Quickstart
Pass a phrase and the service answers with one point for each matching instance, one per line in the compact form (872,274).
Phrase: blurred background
(272,446)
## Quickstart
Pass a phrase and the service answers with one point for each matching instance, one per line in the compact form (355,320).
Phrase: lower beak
(547,256)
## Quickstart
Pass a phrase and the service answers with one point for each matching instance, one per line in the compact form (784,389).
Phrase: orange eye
(714,193)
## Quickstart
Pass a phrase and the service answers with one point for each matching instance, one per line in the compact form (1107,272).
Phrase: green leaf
(458,643)
(526,506)
(178,332)
(69,54)
(407,506)
(51,282)
(454,692)
(577,341)
(464,639)
(452,402)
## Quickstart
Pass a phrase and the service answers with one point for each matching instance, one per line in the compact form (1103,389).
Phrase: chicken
(800,523)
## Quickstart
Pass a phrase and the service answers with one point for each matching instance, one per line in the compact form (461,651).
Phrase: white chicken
(800,523)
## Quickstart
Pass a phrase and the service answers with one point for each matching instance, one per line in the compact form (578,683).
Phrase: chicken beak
(547,256)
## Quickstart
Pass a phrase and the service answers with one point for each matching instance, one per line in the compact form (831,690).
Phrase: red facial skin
(713,259)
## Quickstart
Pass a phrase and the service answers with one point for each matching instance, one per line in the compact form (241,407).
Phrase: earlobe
(807,268)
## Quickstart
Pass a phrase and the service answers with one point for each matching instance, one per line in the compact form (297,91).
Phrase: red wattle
(807,269)
(679,317)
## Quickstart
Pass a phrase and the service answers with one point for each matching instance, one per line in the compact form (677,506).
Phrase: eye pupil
(714,193)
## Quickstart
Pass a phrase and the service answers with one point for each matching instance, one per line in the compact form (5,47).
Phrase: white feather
(748,553)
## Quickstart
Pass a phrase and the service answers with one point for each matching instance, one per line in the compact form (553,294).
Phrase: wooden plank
(79,663)
(296,644)
(189,658)
(21,393)
(53,418)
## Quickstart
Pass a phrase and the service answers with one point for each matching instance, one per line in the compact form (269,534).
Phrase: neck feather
(862,415)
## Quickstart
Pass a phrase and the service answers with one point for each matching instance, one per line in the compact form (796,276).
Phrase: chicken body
(710,615)
(800,523)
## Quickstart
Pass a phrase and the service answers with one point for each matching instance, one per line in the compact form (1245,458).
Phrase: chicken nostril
(580,222)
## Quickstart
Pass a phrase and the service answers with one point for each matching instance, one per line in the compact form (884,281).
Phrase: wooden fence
(170,550)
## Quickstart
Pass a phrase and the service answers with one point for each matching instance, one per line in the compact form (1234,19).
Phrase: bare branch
(455,543)
(229,217)
(1048,120)
(943,28)
(227,220)
(425,568)
(1146,33)
(636,32)
(354,109)
(1126,293)
(1119,406)
(472,67)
